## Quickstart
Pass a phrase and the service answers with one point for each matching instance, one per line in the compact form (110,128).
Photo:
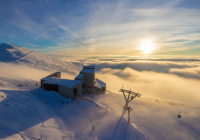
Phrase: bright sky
(102,27)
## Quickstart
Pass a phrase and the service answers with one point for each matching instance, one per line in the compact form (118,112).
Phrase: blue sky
(64,28)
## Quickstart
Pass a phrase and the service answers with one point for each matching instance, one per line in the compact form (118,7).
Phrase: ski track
(24,56)
(31,107)
(17,100)
(15,132)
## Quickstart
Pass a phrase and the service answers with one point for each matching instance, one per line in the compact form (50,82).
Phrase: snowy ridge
(20,55)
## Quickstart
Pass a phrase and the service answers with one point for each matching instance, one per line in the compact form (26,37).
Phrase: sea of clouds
(176,80)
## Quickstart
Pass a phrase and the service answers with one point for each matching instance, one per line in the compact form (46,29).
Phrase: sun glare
(147,47)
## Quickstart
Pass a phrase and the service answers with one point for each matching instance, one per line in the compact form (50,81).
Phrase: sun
(147,47)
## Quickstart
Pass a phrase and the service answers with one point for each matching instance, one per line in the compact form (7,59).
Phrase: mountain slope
(31,113)
(20,55)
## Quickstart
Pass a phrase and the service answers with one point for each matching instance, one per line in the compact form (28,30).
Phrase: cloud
(102,27)
(187,67)
(119,29)
(193,72)
(155,85)
(157,65)
(175,80)
(19,71)
(143,66)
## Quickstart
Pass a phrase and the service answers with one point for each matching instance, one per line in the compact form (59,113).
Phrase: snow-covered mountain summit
(20,55)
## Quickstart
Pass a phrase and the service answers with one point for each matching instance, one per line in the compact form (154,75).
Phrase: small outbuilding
(67,88)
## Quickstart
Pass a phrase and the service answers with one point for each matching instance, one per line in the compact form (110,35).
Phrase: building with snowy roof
(55,74)
(65,87)
(70,88)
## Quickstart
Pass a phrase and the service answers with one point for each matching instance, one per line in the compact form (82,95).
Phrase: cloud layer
(151,84)
(168,81)
(20,72)
(176,81)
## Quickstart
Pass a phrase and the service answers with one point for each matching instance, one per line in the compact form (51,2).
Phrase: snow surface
(100,84)
(25,115)
(31,113)
(79,76)
(64,82)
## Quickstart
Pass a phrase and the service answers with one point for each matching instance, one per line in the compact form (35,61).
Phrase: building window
(75,91)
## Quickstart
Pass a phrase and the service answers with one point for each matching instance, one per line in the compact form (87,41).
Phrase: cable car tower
(127,98)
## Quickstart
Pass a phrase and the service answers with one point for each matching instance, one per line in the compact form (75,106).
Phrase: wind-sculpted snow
(10,53)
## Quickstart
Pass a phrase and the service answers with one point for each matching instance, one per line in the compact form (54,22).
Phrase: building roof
(64,82)
(89,67)
(87,71)
(56,72)
(79,76)
(100,84)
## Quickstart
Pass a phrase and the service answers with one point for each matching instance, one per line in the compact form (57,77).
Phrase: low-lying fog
(177,81)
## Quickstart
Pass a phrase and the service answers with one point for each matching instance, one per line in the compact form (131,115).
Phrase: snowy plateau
(25,114)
